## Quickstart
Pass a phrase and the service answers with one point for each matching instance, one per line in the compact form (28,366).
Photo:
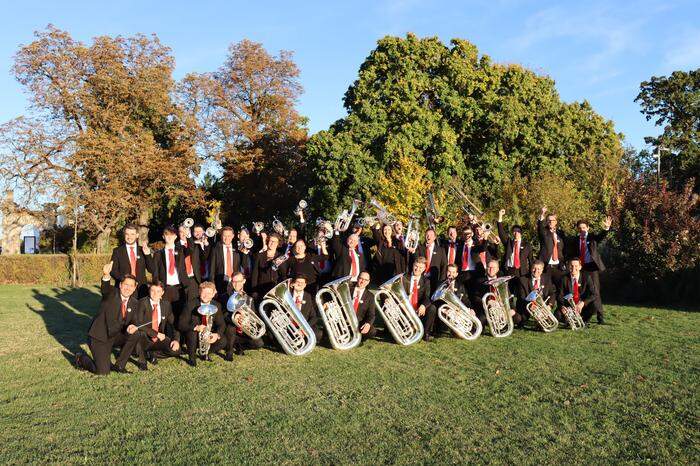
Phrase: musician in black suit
(202,245)
(305,263)
(400,241)
(452,282)
(536,280)
(349,260)
(364,306)
(470,269)
(417,287)
(237,340)
(484,286)
(160,336)
(171,270)
(132,259)
(452,246)
(224,261)
(389,258)
(552,246)
(193,273)
(265,274)
(114,325)
(364,244)
(247,256)
(306,304)
(435,260)
(192,323)
(585,247)
(518,253)
(581,287)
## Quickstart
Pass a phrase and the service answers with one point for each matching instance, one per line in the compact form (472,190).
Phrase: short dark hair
(227,228)
(452,227)
(580,221)
(128,276)
(300,276)
(198,225)
(574,259)
(467,227)
(131,226)
(169,229)
(453,266)
(516,227)
(156,282)
(429,229)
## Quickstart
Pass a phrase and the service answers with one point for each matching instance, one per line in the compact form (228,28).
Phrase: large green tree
(492,127)
(673,102)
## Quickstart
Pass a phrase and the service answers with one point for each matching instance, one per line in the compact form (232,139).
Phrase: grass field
(623,392)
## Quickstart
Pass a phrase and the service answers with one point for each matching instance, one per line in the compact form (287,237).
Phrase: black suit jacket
(546,288)
(592,241)
(190,318)
(457,247)
(461,292)
(342,265)
(167,324)
(108,323)
(438,263)
(161,272)
(424,293)
(122,266)
(308,309)
(366,310)
(217,266)
(194,252)
(587,291)
(547,244)
(509,244)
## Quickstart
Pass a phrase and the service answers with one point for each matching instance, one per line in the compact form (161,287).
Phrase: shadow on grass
(67,313)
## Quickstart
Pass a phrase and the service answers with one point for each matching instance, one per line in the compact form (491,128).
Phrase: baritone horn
(541,311)
(398,314)
(497,307)
(334,301)
(207,312)
(572,316)
(458,317)
(287,324)
(250,323)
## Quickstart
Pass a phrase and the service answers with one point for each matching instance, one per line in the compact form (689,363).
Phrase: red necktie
(356,302)
(132,260)
(582,250)
(555,249)
(171,266)
(451,255)
(123,310)
(576,295)
(466,252)
(516,255)
(322,264)
(353,264)
(414,295)
(154,321)
(428,255)
(229,261)
(482,258)
(188,262)
(204,320)
(297,301)
(537,284)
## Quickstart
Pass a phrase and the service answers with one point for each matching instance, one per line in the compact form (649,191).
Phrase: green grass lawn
(626,391)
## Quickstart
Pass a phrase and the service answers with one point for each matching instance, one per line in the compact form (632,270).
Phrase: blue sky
(597,50)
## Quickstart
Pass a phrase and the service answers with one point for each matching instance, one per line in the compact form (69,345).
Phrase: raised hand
(501,213)
(107,269)
(607,222)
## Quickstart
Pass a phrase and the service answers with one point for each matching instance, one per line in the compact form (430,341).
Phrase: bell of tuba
(573,318)
(458,317)
(251,324)
(398,314)
(497,307)
(292,331)
(541,312)
(334,302)
(207,312)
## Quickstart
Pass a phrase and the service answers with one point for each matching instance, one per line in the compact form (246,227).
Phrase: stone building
(20,228)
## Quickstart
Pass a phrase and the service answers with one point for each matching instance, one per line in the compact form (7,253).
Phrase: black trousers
(237,340)
(192,339)
(592,270)
(588,311)
(176,295)
(370,334)
(101,362)
(428,320)
(162,347)
(130,344)
(557,273)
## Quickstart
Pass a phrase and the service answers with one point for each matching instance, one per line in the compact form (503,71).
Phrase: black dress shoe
(207,358)
(601,321)
(192,362)
(428,338)
(152,359)
(121,370)
(229,356)
(142,366)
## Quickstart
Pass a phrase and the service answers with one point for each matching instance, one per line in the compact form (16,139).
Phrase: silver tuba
(412,233)
(342,223)
(292,331)
(572,316)
(207,312)
(251,324)
(497,307)
(398,314)
(541,312)
(458,317)
(334,303)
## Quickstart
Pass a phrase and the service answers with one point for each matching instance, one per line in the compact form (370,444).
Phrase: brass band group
(221,290)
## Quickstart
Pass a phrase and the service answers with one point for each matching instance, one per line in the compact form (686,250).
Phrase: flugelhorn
(278,226)
(572,316)
(541,311)
(458,317)
(251,324)
(334,301)
(342,223)
(280,313)
(258,227)
(399,316)
(497,307)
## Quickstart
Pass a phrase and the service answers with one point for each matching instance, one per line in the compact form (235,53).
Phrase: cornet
(497,307)
(250,323)
(342,223)
(287,324)
(538,308)
(334,303)
(572,316)
(278,227)
(398,314)
(258,227)
(299,209)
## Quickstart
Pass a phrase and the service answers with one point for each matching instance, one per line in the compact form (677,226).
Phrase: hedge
(50,269)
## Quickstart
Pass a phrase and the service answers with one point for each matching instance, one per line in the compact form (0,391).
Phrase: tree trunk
(144,221)
(103,241)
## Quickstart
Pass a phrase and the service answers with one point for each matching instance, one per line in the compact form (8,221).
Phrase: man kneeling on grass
(114,325)
(193,324)
(157,324)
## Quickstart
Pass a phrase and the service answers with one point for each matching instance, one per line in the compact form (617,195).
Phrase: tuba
(538,308)
(458,317)
(334,303)
(292,331)
(412,234)
(398,314)
(207,312)
(342,223)
(572,316)
(497,307)
(251,324)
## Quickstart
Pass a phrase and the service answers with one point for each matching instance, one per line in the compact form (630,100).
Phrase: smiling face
(429,237)
(206,294)
(130,235)
(127,287)
(198,232)
(552,222)
(238,281)
(227,237)
(298,284)
(537,270)
(292,238)
(363,280)
(452,234)
(418,268)
(575,267)
(155,292)
(352,241)
(492,269)
(299,248)
(452,272)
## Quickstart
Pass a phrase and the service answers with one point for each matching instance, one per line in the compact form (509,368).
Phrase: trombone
(470,208)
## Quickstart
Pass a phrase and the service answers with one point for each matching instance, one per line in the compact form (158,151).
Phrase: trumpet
(250,323)
(458,317)
(280,313)
(278,227)
(342,223)
(334,301)
(207,312)
(497,307)
(541,311)
(572,316)
(412,234)
(258,227)
(398,314)
(299,209)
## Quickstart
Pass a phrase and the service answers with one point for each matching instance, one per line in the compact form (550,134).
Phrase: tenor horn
(280,313)
(412,234)
(342,223)
(334,302)
(458,317)
(497,307)
(399,316)
(541,311)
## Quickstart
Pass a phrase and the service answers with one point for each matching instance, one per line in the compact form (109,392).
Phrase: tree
(673,102)
(105,135)
(492,127)
(250,127)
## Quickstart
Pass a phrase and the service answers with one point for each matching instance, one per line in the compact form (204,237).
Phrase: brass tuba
(572,316)
(542,313)
(399,316)
(207,312)
(497,307)
(334,303)
(251,324)
(458,317)
(292,331)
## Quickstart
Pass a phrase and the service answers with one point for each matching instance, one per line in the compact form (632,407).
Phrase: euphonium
(398,314)
(412,234)
(251,324)
(573,318)
(207,312)
(497,307)
(458,317)
(292,331)
(342,223)
(542,313)
(334,303)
